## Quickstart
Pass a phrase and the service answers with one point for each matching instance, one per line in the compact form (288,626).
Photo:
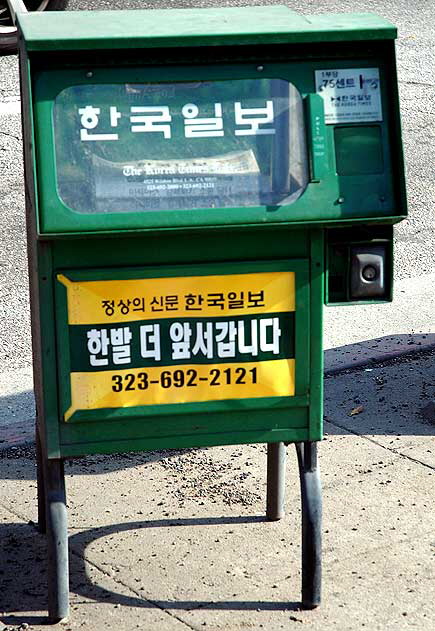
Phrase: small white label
(351,95)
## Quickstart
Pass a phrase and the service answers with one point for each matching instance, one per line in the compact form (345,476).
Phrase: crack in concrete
(98,568)
(132,590)
(5,133)
(17,515)
(125,585)
(427,85)
(375,442)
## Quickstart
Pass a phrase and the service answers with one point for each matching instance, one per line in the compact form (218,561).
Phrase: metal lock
(367,275)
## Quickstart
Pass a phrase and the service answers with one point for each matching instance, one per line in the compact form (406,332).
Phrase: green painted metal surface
(90,30)
(198,184)
(184,424)
(83,238)
(319,202)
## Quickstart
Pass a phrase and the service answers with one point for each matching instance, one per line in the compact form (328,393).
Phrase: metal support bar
(311,496)
(276,457)
(42,502)
(57,540)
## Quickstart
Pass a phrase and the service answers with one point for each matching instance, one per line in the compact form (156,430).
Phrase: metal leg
(276,456)
(57,541)
(42,522)
(311,495)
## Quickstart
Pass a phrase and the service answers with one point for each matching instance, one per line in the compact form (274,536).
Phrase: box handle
(317,143)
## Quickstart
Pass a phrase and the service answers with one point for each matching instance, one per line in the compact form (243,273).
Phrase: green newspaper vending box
(198,184)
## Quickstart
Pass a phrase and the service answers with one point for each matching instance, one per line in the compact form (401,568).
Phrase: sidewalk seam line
(72,551)
(5,133)
(392,449)
(131,589)
(15,514)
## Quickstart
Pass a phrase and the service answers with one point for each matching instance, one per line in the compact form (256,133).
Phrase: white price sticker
(351,95)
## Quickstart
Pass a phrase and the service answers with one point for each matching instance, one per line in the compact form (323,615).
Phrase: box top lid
(232,26)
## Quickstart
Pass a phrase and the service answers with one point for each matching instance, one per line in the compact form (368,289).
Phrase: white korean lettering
(120,339)
(98,344)
(114,116)
(151,119)
(244,346)
(202,127)
(226,339)
(272,345)
(89,116)
(150,341)
(253,117)
(89,119)
(180,335)
(204,339)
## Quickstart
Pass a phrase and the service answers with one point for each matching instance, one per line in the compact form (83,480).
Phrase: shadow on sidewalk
(381,349)
(79,542)
(19,462)
(366,386)
(23,574)
(23,584)
(393,398)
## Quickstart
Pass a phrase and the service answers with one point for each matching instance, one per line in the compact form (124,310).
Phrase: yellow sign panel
(157,341)
(100,301)
(183,384)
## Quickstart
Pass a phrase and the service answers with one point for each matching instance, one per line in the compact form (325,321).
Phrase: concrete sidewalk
(178,540)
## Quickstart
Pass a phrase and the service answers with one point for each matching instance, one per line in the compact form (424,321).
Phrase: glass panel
(177,146)
(358,150)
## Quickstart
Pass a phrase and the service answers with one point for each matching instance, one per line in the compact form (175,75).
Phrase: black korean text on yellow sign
(149,341)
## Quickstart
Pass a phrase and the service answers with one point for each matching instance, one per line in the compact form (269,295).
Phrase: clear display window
(180,146)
